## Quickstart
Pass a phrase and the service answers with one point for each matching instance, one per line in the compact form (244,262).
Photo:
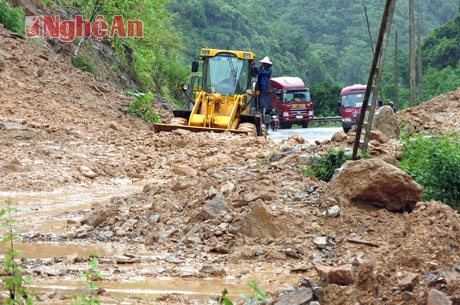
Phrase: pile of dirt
(209,200)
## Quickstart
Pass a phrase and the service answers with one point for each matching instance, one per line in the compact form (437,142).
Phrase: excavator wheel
(179,121)
(249,127)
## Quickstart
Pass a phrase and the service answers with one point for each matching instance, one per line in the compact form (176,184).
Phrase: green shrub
(142,107)
(256,297)
(433,161)
(13,279)
(92,275)
(12,18)
(83,63)
(324,167)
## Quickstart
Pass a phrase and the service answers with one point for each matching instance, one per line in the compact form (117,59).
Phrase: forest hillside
(322,42)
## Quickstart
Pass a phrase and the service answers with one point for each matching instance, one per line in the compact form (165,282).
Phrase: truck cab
(351,101)
(292,101)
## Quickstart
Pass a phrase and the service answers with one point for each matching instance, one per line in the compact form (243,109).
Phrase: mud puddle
(149,288)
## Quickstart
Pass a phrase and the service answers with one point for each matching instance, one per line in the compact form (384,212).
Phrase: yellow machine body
(222,97)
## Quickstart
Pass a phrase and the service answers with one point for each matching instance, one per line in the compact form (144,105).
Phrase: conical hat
(266,60)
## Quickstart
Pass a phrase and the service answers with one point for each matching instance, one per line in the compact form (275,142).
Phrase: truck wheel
(286,125)
(305,125)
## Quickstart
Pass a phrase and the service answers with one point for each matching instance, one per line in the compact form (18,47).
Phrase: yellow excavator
(222,98)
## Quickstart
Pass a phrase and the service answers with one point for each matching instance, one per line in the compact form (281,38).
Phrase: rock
(123,259)
(304,159)
(44,270)
(320,242)
(87,172)
(210,270)
(154,218)
(71,258)
(339,136)
(386,121)
(378,136)
(408,282)
(258,222)
(213,208)
(436,297)
(342,275)
(333,211)
(97,217)
(300,296)
(184,170)
(173,259)
(452,278)
(227,187)
(15,166)
(375,182)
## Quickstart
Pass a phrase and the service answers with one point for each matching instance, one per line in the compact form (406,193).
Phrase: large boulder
(377,183)
(385,120)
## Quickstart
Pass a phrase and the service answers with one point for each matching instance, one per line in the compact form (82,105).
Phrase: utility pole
(388,11)
(411,54)
(396,91)
(420,69)
(383,49)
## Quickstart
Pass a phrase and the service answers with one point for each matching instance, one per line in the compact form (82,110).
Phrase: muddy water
(196,288)
(50,213)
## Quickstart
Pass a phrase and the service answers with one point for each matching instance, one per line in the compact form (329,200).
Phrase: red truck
(351,101)
(292,101)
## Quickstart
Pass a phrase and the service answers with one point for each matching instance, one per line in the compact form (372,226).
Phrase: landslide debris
(210,200)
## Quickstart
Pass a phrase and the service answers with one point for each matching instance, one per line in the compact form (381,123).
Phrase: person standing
(392,105)
(264,74)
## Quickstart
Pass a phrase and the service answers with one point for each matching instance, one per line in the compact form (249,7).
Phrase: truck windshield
(296,96)
(354,100)
(226,74)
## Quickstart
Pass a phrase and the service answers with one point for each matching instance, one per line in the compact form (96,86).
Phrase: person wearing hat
(392,105)
(264,74)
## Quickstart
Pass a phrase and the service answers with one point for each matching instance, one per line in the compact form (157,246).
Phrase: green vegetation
(83,63)
(14,281)
(433,162)
(263,160)
(319,46)
(92,275)
(325,97)
(324,167)
(12,18)
(257,295)
(142,107)
(224,300)
(155,58)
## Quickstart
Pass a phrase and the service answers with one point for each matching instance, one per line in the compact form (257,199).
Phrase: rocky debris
(377,183)
(436,115)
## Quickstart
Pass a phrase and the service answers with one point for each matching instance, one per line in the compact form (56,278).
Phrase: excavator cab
(220,99)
